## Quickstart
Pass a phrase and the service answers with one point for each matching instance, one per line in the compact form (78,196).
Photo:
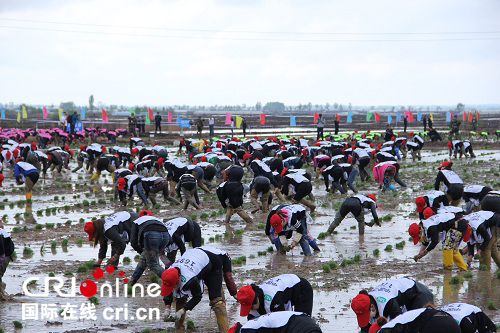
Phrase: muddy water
(333,290)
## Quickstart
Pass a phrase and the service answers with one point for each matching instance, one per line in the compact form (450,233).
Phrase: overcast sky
(224,67)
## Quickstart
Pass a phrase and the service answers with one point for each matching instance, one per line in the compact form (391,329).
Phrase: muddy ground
(62,203)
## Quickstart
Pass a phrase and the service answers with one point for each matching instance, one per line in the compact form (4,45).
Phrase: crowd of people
(282,172)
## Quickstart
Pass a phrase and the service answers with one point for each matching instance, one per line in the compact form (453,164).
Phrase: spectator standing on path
(405,123)
(244,126)
(64,121)
(425,123)
(337,123)
(143,124)
(157,122)
(199,126)
(232,126)
(320,124)
(132,124)
(74,119)
(211,124)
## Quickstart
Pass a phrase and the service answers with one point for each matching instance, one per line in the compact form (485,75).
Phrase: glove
(179,314)
(166,314)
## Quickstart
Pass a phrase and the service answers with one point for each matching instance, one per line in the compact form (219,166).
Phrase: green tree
(258,106)
(274,106)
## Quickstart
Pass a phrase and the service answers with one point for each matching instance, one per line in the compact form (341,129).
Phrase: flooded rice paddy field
(52,227)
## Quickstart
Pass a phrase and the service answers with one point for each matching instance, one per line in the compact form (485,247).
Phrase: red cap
(204,158)
(89,229)
(8,155)
(414,231)
(228,155)
(361,306)
(66,148)
(349,159)
(467,234)
(374,328)
(276,222)
(82,147)
(446,165)
(245,296)
(134,151)
(169,279)
(131,166)
(33,146)
(372,145)
(15,152)
(160,161)
(145,213)
(49,157)
(103,149)
(420,202)
(234,328)
(304,152)
(246,157)
(121,183)
(428,212)
(372,196)
(393,138)
(2,177)
(450,145)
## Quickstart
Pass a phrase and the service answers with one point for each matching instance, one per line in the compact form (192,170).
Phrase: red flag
(316,116)
(262,119)
(104,116)
(151,116)
(45,115)
(169,116)
(465,116)
(477,115)
(377,117)
(410,116)
(470,117)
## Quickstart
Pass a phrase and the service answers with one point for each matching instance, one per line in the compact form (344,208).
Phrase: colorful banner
(18,116)
(78,127)
(465,117)
(82,116)
(60,110)
(25,114)
(151,114)
(45,114)
(178,121)
(410,117)
(185,123)
(104,116)
(228,118)
(398,117)
(316,116)
(389,118)
(448,117)
(132,111)
(369,116)
(431,117)
(239,120)
(293,122)
(3,112)
(477,116)
(262,119)
(169,117)
(419,116)
(148,121)
(349,117)
(470,117)
(377,117)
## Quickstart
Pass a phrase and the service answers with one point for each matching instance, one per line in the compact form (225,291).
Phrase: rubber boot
(219,308)
(448,259)
(94,177)
(28,195)
(459,261)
